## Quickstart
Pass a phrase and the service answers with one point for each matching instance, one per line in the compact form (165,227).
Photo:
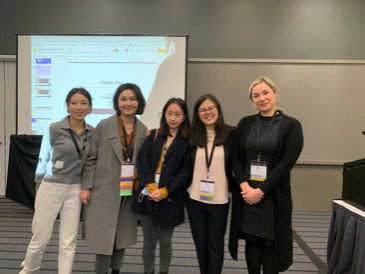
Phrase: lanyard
(208,159)
(164,153)
(162,160)
(128,146)
(77,146)
(261,140)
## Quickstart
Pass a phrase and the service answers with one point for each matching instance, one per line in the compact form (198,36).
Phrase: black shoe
(115,271)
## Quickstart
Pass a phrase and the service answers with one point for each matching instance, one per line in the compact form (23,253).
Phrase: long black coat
(290,143)
(175,174)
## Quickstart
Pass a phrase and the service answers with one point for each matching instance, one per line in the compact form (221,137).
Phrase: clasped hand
(156,195)
(251,195)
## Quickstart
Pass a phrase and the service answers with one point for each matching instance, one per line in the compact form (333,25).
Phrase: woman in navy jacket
(164,170)
(265,148)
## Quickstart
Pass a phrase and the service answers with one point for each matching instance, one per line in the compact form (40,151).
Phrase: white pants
(51,199)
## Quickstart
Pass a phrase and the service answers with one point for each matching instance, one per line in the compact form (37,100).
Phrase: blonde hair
(260,80)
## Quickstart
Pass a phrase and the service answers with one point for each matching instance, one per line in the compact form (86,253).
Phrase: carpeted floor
(310,235)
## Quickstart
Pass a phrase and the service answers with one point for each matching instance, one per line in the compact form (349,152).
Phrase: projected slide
(49,66)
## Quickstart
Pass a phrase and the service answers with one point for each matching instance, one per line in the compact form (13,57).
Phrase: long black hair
(198,135)
(184,128)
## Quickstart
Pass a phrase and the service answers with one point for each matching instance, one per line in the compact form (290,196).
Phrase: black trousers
(208,225)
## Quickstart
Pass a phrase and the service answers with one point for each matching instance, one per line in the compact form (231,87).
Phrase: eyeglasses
(210,109)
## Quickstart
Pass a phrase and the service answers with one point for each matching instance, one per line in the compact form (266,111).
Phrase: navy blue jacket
(175,175)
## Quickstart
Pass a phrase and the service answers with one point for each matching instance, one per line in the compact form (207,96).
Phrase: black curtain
(23,160)
(346,239)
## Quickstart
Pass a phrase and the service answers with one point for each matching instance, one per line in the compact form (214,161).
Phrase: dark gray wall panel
(283,29)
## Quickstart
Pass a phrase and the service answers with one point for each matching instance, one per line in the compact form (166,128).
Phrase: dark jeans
(208,225)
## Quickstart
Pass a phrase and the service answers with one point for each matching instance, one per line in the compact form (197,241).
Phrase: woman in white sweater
(208,200)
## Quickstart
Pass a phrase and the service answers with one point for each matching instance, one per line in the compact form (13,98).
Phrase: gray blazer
(108,218)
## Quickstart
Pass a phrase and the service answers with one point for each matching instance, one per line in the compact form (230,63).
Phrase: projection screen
(49,66)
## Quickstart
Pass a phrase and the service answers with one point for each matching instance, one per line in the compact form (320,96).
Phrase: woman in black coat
(164,171)
(265,147)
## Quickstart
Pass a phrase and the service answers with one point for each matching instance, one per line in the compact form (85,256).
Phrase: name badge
(59,164)
(207,188)
(258,171)
(126,180)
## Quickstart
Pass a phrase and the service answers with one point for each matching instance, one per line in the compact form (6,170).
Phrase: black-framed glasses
(210,109)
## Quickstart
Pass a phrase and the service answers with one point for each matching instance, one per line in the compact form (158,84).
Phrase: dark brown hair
(82,91)
(137,92)
(198,135)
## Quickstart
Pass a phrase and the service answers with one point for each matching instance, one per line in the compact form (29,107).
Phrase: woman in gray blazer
(64,150)
(109,225)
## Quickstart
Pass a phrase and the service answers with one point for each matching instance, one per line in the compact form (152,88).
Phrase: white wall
(2,128)
(7,113)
